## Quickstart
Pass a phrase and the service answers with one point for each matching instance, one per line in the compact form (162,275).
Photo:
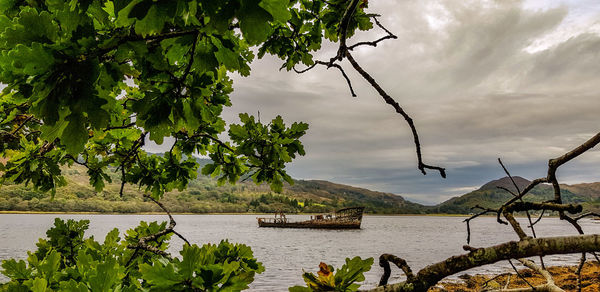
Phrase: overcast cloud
(482,80)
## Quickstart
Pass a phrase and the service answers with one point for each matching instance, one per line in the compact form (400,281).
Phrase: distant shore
(248,213)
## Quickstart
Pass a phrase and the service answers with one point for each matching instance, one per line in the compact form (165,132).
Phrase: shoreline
(246,213)
(563,276)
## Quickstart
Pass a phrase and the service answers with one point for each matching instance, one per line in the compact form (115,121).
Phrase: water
(420,240)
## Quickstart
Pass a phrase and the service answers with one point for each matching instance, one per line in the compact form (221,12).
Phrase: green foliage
(88,82)
(69,262)
(345,279)
(222,267)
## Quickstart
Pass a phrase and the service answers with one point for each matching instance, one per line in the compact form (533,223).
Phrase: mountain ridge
(491,195)
(204,195)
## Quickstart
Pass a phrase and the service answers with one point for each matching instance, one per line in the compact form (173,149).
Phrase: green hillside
(203,195)
(490,196)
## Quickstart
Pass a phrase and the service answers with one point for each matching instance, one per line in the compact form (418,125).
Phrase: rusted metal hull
(311,224)
(347,218)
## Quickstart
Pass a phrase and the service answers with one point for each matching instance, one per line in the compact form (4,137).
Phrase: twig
(507,190)
(507,281)
(329,65)
(519,274)
(389,100)
(494,278)
(521,199)
(539,218)
(143,241)
(578,272)
(29,118)
(468,220)
(586,215)
(374,43)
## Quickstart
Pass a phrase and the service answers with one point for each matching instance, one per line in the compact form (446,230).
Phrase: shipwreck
(347,218)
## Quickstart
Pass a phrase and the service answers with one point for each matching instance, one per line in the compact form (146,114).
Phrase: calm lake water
(421,240)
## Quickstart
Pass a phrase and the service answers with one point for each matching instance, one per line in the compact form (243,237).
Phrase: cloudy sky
(482,80)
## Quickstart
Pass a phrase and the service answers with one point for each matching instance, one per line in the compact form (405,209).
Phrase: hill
(203,195)
(491,196)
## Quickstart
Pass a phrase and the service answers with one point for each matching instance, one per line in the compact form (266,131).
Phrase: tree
(88,82)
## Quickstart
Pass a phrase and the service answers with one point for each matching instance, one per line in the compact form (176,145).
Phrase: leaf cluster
(67,261)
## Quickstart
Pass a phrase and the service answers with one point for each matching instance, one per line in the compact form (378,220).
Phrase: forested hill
(204,196)
(491,196)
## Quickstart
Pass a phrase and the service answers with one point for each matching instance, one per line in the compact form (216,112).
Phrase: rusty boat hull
(347,218)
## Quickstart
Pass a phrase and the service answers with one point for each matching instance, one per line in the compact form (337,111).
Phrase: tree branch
(384,260)
(430,275)
(389,100)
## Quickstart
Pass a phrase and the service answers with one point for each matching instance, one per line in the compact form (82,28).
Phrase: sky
(482,79)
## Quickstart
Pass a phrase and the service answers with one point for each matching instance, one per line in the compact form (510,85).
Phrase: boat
(347,218)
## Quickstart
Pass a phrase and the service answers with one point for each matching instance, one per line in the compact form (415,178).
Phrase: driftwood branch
(550,286)
(384,262)
(430,275)
(519,274)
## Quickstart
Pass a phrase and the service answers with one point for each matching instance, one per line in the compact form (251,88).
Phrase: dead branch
(523,206)
(468,220)
(521,199)
(384,260)
(550,286)
(519,274)
(432,274)
(343,52)
(495,278)
(389,100)
(578,272)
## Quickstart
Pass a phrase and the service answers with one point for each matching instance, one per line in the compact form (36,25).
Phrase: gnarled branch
(430,275)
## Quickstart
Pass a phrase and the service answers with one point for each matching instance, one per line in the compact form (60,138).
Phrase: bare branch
(468,220)
(522,206)
(548,287)
(430,275)
(507,190)
(389,100)
(384,260)
(589,214)
(329,65)
(521,199)
(539,218)
(515,225)
(519,274)
(143,241)
(578,272)
(389,35)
